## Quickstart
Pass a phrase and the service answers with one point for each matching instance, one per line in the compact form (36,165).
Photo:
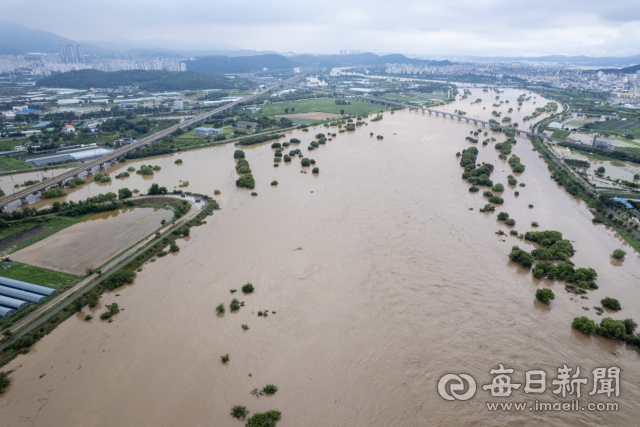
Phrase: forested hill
(146,80)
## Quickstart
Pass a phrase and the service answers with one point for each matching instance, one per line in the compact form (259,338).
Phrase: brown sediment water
(94,241)
(403,284)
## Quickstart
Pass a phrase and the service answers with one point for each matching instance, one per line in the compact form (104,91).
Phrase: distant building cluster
(70,55)
(71,58)
(350,52)
(428,69)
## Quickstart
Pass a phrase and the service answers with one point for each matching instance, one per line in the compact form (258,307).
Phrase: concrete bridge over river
(430,111)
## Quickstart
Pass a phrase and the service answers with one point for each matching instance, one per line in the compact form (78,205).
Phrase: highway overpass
(105,161)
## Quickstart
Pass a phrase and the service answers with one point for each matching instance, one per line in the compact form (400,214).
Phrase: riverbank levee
(399,281)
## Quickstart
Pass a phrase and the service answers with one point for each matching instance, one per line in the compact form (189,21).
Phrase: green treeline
(260,138)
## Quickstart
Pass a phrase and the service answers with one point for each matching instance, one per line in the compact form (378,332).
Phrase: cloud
(418,27)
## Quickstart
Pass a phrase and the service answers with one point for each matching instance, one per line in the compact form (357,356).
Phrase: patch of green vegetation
(611,303)
(326,105)
(561,133)
(545,294)
(618,254)
(8,163)
(35,275)
(246,181)
(266,419)
(270,389)
(5,380)
(584,324)
(239,411)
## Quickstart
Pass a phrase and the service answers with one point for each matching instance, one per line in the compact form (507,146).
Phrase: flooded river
(397,283)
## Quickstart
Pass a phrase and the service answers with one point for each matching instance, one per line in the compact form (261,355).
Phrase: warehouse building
(15,294)
(207,131)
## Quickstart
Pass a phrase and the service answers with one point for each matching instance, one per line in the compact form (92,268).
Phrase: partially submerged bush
(239,411)
(119,278)
(523,258)
(113,309)
(545,294)
(618,254)
(611,303)
(54,192)
(235,305)
(270,389)
(612,328)
(5,380)
(315,170)
(584,324)
(246,181)
(248,288)
(267,419)
(220,309)
(503,216)
(225,358)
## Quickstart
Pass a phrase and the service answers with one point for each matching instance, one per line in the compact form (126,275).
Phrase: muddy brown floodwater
(397,284)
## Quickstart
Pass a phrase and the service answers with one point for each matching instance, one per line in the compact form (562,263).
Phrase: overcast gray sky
(418,27)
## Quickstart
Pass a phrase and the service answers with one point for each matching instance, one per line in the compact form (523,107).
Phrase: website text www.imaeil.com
(569,383)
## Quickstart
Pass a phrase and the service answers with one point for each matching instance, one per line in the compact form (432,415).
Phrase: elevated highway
(105,161)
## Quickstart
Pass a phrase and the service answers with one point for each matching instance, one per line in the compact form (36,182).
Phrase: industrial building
(15,294)
(207,131)
(600,141)
(246,125)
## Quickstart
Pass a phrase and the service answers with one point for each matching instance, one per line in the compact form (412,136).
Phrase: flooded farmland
(397,283)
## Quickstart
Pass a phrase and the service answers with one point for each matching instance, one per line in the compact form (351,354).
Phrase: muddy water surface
(397,284)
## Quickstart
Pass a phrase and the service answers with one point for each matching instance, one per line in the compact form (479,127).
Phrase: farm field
(92,242)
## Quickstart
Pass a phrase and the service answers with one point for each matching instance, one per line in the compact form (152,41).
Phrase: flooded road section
(397,283)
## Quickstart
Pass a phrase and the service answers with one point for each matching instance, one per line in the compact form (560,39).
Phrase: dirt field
(92,242)
(23,235)
(312,116)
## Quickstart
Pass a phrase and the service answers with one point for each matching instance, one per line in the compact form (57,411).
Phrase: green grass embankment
(35,275)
